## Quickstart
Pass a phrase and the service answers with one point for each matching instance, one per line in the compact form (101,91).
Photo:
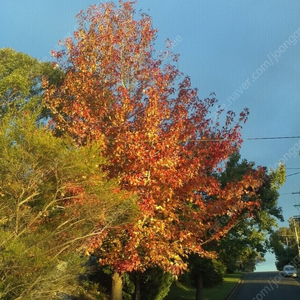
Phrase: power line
(273,138)
(250,138)
(293,174)
(294,193)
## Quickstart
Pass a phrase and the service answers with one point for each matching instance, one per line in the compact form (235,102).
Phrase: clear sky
(247,52)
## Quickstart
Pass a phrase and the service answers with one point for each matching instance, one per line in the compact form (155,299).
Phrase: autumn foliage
(160,140)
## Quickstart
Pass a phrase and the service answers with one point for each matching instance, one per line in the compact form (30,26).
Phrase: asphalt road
(267,286)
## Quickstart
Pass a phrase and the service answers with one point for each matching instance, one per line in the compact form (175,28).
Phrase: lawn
(220,292)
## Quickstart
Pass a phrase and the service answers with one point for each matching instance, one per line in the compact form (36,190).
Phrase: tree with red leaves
(160,139)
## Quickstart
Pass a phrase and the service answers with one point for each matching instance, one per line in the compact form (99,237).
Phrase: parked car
(290,271)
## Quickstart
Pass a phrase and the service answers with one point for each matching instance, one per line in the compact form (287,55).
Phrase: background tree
(21,78)
(284,245)
(159,139)
(204,272)
(247,242)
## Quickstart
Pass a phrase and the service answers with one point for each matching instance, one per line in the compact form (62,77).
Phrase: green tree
(54,198)
(247,242)
(204,272)
(20,80)
(155,284)
(284,246)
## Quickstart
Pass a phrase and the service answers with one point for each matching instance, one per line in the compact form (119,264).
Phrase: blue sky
(247,52)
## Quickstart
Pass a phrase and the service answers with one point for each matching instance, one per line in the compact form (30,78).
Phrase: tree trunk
(116,290)
(199,291)
(137,287)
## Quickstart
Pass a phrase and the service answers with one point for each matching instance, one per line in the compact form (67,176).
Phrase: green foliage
(284,246)
(155,284)
(278,176)
(211,269)
(30,161)
(54,199)
(21,80)
(29,272)
(91,291)
(18,73)
(247,242)
(128,287)
(219,267)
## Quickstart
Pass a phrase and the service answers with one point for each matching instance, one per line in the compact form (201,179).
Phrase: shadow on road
(267,285)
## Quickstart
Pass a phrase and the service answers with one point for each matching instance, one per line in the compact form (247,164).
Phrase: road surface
(267,286)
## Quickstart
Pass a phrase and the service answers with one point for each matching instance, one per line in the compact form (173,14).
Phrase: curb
(235,287)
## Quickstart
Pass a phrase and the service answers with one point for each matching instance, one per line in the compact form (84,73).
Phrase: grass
(180,291)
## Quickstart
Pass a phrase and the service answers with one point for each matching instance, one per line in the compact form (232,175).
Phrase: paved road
(267,286)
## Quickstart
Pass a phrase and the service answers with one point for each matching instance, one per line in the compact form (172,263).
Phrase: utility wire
(293,174)
(251,138)
(273,138)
